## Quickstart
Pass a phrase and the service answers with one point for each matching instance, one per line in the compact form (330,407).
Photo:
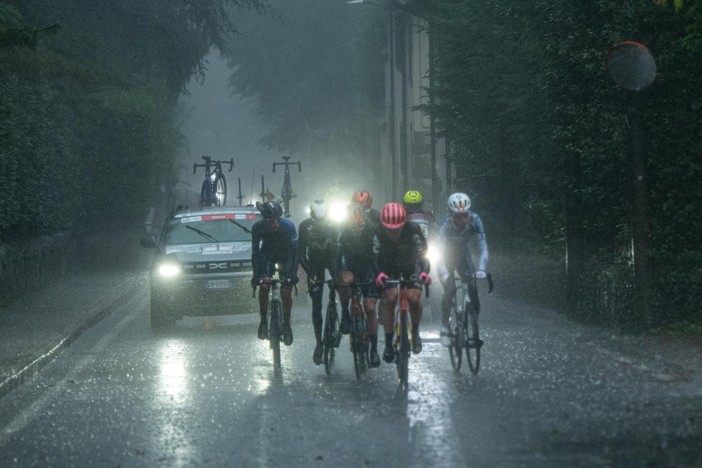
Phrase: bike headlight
(433,253)
(337,211)
(168,270)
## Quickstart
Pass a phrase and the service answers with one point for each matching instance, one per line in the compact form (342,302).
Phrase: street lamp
(633,68)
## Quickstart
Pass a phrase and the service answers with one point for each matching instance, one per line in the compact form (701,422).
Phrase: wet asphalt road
(549,393)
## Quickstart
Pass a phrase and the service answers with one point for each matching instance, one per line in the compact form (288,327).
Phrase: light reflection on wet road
(549,393)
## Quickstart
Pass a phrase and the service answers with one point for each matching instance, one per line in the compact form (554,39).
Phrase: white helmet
(318,209)
(459,203)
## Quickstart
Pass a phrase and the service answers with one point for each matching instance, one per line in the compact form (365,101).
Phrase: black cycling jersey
(270,246)
(316,245)
(404,256)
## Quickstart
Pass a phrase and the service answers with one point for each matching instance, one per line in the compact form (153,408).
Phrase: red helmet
(362,198)
(393,216)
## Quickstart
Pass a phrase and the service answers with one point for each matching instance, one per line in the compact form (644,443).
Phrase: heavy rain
(350,233)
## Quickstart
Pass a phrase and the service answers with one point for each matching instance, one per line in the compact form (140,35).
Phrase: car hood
(210,251)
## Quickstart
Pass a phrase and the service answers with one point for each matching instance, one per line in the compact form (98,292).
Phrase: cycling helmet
(318,209)
(356,214)
(413,201)
(458,203)
(270,210)
(393,216)
(362,198)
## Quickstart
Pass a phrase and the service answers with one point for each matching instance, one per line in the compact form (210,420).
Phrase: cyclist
(400,249)
(365,199)
(274,240)
(454,235)
(355,263)
(316,248)
(414,206)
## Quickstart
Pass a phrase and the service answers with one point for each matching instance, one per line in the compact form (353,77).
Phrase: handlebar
(393,282)
(271,281)
(209,162)
(488,278)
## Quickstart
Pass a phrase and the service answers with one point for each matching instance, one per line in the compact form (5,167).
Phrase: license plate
(218,284)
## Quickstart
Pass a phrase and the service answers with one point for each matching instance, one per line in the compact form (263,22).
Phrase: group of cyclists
(367,249)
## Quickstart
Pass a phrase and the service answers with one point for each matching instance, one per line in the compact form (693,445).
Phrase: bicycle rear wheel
(275,331)
(329,341)
(473,342)
(220,185)
(359,343)
(403,352)
(456,347)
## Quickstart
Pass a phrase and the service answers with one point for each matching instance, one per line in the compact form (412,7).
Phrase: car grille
(217,267)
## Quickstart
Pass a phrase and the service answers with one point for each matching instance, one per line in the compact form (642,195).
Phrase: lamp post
(633,68)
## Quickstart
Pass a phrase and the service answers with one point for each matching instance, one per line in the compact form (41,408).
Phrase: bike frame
(213,173)
(402,341)
(464,329)
(287,193)
(359,331)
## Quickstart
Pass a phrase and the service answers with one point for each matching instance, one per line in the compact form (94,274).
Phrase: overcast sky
(224,126)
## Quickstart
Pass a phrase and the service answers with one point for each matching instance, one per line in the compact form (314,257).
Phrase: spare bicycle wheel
(220,185)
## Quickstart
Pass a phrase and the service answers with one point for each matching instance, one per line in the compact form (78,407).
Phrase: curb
(32,368)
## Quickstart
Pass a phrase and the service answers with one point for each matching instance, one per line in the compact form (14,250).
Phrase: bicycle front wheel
(220,185)
(275,332)
(329,341)
(456,347)
(359,343)
(473,343)
(403,352)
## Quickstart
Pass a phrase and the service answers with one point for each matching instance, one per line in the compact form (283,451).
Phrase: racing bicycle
(331,336)
(402,341)
(287,193)
(358,337)
(464,329)
(214,187)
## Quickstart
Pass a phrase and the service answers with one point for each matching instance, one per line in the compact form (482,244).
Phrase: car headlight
(168,270)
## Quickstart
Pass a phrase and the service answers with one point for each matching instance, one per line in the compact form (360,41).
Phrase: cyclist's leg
(468,273)
(288,278)
(414,299)
(346,277)
(316,291)
(266,270)
(370,299)
(387,317)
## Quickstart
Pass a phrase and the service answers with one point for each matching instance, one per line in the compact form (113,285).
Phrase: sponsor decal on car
(218,217)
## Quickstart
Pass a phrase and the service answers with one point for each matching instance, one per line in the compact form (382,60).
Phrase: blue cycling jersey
(278,245)
(453,242)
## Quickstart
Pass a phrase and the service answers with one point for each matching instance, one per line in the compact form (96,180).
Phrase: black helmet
(270,210)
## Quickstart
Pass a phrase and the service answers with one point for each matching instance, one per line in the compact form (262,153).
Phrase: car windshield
(204,229)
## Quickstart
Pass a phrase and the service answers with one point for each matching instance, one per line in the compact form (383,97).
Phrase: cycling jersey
(355,254)
(422,219)
(453,242)
(404,256)
(316,245)
(270,246)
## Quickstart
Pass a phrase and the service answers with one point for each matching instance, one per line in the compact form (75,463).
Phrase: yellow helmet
(413,197)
